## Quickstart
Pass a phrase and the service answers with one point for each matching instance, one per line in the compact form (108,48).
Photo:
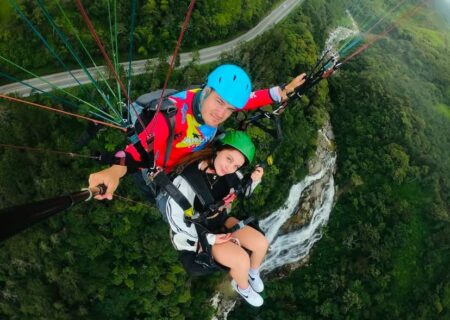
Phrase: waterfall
(294,246)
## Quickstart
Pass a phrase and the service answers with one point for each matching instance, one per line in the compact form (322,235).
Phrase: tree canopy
(385,252)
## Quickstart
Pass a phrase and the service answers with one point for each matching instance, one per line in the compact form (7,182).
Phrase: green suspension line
(117,47)
(369,22)
(46,44)
(130,52)
(47,94)
(77,59)
(346,49)
(369,19)
(53,86)
(49,48)
(112,38)
(75,32)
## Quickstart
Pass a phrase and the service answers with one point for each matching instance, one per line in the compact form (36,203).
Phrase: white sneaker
(256,282)
(252,297)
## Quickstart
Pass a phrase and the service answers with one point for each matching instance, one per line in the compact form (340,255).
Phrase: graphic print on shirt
(184,111)
(208,134)
(196,135)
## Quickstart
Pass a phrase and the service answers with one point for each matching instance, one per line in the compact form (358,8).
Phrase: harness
(196,181)
(148,104)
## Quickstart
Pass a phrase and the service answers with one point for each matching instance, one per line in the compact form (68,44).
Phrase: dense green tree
(385,252)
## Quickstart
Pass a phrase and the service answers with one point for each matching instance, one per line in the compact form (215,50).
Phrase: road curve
(210,54)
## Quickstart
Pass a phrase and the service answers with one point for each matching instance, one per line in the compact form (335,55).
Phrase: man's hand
(110,177)
(291,86)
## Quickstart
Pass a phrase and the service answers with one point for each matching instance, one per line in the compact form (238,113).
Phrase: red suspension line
(384,17)
(405,16)
(62,111)
(174,55)
(101,47)
(105,55)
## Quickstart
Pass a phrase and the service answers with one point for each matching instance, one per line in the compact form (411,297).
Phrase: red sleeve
(258,99)
(158,126)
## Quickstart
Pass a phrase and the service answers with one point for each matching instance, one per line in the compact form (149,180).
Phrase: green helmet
(240,141)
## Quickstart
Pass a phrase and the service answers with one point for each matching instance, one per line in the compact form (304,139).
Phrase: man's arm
(157,130)
(261,98)
(110,177)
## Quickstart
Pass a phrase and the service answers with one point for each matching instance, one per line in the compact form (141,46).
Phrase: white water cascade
(339,34)
(294,246)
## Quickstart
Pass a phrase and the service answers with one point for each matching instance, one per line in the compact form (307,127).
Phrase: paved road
(65,80)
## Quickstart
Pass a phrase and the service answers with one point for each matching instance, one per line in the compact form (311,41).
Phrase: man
(198,114)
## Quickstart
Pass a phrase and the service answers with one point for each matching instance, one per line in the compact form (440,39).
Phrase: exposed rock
(223,304)
(312,194)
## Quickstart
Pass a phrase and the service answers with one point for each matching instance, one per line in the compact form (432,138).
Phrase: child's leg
(234,257)
(252,240)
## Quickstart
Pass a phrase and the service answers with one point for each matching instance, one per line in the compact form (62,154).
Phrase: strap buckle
(153,172)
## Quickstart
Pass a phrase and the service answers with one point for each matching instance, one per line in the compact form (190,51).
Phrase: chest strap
(197,182)
(147,158)
(163,181)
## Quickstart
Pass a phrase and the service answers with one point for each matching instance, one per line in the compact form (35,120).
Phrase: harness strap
(202,191)
(121,160)
(241,224)
(204,257)
(202,232)
(149,104)
(246,187)
(169,115)
(161,179)
(145,156)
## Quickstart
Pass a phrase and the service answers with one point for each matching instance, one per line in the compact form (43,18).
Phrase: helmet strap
(199,99)
(206,91)
(196,108)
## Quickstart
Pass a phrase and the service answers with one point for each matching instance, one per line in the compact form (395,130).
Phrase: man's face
(215,110)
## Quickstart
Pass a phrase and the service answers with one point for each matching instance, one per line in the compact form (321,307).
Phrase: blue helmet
(232,84)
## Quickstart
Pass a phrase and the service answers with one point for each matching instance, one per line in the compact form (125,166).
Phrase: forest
(155,29)
(385,252)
